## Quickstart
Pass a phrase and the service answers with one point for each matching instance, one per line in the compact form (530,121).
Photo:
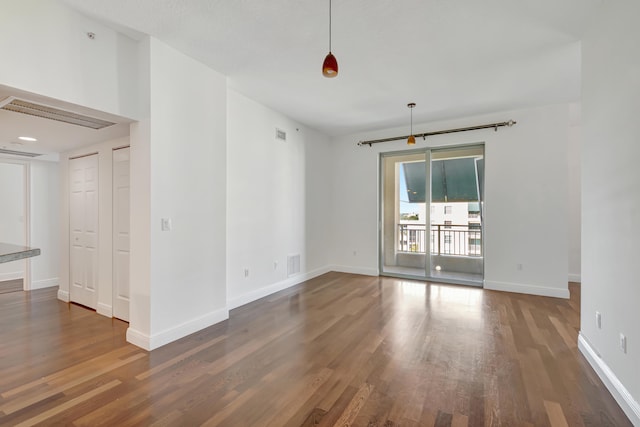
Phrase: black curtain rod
(494,126)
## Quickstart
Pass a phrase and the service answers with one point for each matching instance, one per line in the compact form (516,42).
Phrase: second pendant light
(412,139)
(330,64)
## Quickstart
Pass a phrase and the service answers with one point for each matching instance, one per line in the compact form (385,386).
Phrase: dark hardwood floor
(340,349)
(11,286)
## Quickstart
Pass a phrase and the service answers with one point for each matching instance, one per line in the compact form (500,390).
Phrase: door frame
(427,151)
(114,288)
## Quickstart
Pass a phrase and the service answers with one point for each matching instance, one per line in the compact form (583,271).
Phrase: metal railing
(445,239)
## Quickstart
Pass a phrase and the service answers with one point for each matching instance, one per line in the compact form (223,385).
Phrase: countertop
(9,252)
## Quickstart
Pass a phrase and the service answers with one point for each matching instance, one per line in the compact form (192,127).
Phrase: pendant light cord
(329,26)
(411,120)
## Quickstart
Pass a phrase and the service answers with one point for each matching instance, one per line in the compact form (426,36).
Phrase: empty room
(327,212)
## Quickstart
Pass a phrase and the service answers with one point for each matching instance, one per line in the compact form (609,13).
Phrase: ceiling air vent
(281,135)
(18,153)
(46,112)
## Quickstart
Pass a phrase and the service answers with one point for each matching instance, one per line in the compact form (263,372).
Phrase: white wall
(56,58)
(611,200)
(278,195)
(574,221)
(104,150)
(140,211)
(45,220)
(180,156)
(526,200)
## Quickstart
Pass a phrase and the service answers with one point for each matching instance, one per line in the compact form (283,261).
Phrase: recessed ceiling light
(27,138)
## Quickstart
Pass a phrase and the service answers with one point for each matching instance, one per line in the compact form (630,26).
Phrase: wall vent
(18,153)
(281,135)
(46,112)
(293,265)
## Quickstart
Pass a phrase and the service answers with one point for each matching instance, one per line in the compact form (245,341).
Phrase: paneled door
(83,227)
(121,233)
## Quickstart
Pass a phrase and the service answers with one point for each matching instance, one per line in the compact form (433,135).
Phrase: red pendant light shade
(330,66)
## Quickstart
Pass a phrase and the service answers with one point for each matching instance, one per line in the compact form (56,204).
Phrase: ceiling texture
(453,58)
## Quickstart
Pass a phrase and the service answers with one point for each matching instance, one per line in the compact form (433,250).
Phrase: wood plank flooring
(340,349)
(15,285)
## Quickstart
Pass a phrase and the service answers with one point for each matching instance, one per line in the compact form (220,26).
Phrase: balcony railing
(456,240)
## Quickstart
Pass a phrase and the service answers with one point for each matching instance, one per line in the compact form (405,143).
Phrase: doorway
(14,223)
(431,209)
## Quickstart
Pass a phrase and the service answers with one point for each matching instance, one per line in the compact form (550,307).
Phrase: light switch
(165,224)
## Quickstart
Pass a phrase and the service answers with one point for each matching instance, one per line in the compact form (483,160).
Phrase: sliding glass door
(404,243)
(431,214)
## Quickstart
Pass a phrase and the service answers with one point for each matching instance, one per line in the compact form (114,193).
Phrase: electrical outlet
(623,343)
(246,272)
(598,320)
(165,224)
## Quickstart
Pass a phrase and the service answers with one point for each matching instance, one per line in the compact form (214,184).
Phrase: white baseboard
(14,275)
(528,289)
(355,270)
(276,287)
(619,392)
(175,333)
(63,295)
(44,283)
(105,310)
(575,278)
(138,339)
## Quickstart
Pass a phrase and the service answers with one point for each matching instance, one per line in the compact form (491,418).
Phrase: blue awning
(452,180)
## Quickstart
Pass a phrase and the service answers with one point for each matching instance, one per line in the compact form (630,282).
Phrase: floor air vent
(46,112)
(293,265)
(18,153)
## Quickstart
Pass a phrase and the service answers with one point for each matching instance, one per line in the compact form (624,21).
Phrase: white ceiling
(453,58)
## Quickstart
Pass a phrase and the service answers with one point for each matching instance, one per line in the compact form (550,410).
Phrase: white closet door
(83,210)
(121,234)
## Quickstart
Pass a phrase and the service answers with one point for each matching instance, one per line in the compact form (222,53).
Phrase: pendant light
(412,139)
(330,64)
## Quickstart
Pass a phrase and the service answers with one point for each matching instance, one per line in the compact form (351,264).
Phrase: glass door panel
(403,228)
(456,225)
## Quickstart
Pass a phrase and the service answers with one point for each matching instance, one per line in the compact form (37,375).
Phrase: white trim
(138,339)
(63,295)
(273,288)
(175,333)
(528,289)
(104,309)
(27,225)
(355,270)
(45,283)
(15,275)
(575,278)
(619,392)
